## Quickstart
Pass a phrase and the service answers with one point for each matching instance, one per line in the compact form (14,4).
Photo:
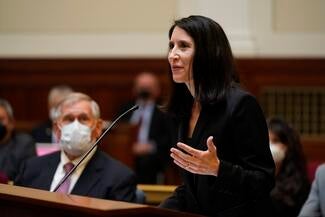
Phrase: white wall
(278,33)
(138,28)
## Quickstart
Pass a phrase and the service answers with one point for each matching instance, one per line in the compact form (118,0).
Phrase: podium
(18,201)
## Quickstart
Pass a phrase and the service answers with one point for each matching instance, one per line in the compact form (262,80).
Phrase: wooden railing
(19,201)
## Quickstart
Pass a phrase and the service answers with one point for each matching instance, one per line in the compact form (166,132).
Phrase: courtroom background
(98,46)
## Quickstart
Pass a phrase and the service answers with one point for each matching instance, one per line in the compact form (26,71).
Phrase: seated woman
(292,184)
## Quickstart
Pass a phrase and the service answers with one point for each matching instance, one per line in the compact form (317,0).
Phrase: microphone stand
(135,107)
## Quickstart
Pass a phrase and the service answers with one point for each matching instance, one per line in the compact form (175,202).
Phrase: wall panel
(26,82)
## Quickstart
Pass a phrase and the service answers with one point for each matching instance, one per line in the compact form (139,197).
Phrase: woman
(291,180)
(223,146)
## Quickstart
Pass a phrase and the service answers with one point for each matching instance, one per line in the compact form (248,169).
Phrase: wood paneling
(26,82)
(258,73)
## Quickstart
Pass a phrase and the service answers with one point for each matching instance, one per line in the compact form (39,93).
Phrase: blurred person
(291,179)
(15,147)
(153,137)
(44,133)
(222,146)
(78,125)
(3,177)
(315,204)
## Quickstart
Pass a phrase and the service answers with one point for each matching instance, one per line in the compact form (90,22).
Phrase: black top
(289,195)
(246,172)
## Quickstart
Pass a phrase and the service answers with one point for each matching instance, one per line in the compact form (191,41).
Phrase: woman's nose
(173,55)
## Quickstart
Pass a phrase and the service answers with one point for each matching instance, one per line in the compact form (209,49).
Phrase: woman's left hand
(197,161)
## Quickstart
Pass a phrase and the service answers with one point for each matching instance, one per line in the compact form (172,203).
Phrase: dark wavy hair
(213,65)
(292,184)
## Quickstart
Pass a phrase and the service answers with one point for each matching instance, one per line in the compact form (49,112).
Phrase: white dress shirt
(60,173)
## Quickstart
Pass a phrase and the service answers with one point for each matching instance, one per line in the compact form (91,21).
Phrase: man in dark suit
(78,125)
(15,147)
(153,135)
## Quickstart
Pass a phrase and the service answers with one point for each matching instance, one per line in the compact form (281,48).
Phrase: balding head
(76,97)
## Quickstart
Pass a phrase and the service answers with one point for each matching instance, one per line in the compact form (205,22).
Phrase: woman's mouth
(176,68)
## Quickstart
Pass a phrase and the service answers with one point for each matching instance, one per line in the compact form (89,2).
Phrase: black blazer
(246,172)
(103,177)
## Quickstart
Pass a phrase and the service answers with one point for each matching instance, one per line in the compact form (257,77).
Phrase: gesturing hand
(197,161)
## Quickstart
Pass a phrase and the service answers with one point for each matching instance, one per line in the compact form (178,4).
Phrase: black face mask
(3,131)
(143,94)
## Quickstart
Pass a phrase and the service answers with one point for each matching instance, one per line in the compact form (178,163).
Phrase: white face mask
(278,153)
(75,138)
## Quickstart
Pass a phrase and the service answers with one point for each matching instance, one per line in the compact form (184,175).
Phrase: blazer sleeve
(174,202)
(251,175)
(181,200)
(312,206)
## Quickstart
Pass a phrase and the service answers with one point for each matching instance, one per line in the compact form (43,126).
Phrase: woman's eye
(171,46)
(183,45)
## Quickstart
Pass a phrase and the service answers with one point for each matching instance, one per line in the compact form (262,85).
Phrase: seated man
(151,148)
(78,125)
(43,133)
(14,147)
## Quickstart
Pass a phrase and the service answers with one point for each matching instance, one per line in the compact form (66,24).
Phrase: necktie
(64,188)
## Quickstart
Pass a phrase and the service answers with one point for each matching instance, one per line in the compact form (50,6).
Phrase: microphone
(135,107)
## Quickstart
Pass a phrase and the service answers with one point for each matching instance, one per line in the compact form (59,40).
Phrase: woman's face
(180,56)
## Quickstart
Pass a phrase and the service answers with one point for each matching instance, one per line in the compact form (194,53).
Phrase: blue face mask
(76,138)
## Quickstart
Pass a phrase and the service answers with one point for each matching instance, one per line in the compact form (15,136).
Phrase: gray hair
(57,93)
(7,107)
(77,97)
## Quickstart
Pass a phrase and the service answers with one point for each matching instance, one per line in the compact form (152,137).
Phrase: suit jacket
(103,177)
(13,153)
(315,204)
(246,172)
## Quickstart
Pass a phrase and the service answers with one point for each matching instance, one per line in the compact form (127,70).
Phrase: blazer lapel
(89,177)
(47,174)
(200,126)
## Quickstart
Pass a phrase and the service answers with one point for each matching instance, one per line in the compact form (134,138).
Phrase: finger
(211,147)
(191,168)
(176,157)
(181,154)
(188,149)
(180,164)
